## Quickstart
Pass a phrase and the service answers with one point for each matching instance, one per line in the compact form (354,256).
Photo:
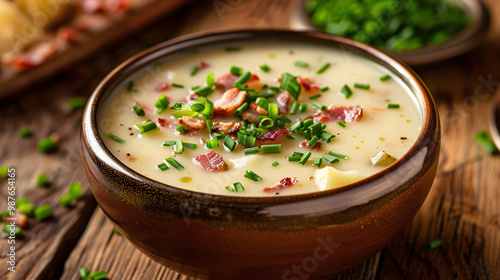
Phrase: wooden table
(462,207)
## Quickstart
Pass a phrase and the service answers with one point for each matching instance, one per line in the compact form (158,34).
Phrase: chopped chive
(204,91)
(325,89)
(168,143)
(211,143)
(484,140)
(305,158)
(130,87)
(341,123)
(243,78)
(346,91)
(235,70)
(147,126)
(233,49)
(270,149)
(47,145)
(179,147)
(251,151)
(264,120)
(303,108)
(196,106)
(385,78)
(313,141)
(275,89)
(75,190)
(217,136)
(174,163)
(177,106)
(246,140)
(294,158)
(392,106)
(265,68)
(273,111)
(323,68)
(210,79)
(116,138)
(327,137)
(252,176)
(25,132)
(161,104)
(177,85)
(42,180)
(22,201)
(115,231)
(229,143)
(83,272)
(4,214)
(18,231)
(65,200)
(319,106)
(338,155)
(274,164)
(361,86)
(434,244)
(297,154)
(27,209)
(98,275)
(296,126)
(194,70)
(162,166)
(265,87)
(284,119)
(290,137)
(295,108)
(329,158)
(76,103)
(290,84)
(43,212)
(182,129)
(262,102)
(190,145)
(237,187)
(317,161)
(138,110)
(301,64)
(4,171)
(315,97)
(195,88)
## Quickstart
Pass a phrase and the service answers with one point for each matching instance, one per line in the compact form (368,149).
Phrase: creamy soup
(286,119)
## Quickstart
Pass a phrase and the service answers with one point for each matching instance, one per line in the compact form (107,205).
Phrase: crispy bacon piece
(210,161)
(36,56)
(342,113)
(272,135)
(191,123)
(20,220)
(226,81)
(230,101)
(253,113)
(203,65)
(192,96)
(162,87)
(283,183)
(305,143)
(225,127)
(282,99)
(307,84)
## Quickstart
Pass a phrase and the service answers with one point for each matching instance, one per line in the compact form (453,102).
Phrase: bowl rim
(92,139)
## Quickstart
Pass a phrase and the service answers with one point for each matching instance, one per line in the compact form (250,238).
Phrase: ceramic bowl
(305,236)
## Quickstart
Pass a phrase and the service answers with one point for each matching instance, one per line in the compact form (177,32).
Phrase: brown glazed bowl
(305,236)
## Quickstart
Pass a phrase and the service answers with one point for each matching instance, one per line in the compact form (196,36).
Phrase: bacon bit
(282,99)
(225,127)
(226,81)
(229,102)
(283,183)
(210,161)
(342,113)
(69,34)
(307,84)
(192,96)
(20,220)
(36,56)
(272,135)
(165,123)
(316,146)
(191,123)
(162,87)
(203,65)
(257,108)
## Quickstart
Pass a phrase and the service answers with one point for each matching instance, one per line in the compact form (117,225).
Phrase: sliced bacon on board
(225,127)
(341,113)
(230,101)
(191,123)
(211,161)
(283,183)
(272,135)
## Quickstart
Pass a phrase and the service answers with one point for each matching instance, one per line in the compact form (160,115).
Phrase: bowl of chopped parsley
(416,31)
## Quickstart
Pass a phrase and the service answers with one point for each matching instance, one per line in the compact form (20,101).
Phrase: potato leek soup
(260,119)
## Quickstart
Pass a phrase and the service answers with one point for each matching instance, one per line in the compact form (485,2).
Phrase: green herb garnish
(174,163)
(392,106)
(211,143)
(486,143)
(43,212)
(25,132)
(229,143)
(323,68)
(319,106)
(130,87)
(252,176)
(194,70)
(182,129)
(177,85)
(385,78)
(237,187)
(361,86)
(301,64)
(47,145)
(346,91)
(265,68)
(341,123)
(115,138)
(290,84)
(138,110)
(235,70)
(270,149)
(42,180)
(434,244)
(76,103)
(274,164)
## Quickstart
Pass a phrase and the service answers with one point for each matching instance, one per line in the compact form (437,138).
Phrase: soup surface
(299,118)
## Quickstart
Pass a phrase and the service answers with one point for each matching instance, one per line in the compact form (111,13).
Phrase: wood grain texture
(463,205)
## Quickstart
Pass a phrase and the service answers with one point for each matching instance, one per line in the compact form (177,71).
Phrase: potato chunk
(16,31)
(331,178)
